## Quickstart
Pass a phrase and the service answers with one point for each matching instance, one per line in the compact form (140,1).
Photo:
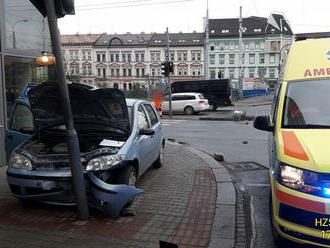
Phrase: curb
(223,229)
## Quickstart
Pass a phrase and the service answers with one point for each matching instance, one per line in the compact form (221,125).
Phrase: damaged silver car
(119,140)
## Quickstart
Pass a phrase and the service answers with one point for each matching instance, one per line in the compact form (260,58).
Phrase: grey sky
(112,16)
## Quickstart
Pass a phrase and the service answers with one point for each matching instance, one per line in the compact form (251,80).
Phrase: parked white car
(188,103)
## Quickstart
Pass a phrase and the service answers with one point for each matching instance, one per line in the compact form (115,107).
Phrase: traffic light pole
(78,180)
(167,54)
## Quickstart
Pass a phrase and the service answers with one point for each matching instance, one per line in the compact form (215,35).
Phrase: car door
(271,138)
(21,118)
(144,142)
(177,104)
(157,126)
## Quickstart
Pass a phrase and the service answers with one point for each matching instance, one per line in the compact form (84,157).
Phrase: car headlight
(104,162)
(304,180)
(19,161)
(292,177)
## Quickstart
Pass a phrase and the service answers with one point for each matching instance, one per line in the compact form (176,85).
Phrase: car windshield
(307,104)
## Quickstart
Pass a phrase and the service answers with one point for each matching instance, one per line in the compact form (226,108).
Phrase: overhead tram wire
(134,5)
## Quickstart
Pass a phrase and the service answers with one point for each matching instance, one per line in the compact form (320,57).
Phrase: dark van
(218,92)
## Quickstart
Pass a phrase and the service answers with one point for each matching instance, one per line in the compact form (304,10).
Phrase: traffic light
(170,67)
(219,74)
(62,7)
(165,68)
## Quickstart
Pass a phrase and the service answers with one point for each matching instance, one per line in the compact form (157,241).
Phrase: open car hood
(104,106)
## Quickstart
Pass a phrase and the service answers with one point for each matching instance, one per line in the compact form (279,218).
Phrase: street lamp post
(14,33)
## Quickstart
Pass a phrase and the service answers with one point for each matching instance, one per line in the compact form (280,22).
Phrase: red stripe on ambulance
(300,202)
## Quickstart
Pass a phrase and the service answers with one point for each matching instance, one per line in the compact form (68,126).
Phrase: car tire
(278,239)
(189,110)
(128,175)
(213,107)
(160,161)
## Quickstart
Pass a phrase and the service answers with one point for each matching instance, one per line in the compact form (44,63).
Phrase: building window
(243,59)
(252,45)
(100,57)
(115,85)
(117,72)
(112,57)
(142,72)
(179,56)
(153,71)
(142,57)
(152,56)
(198,71)
(129,72)
(231,73)
(272,58)
(212,48)
(172,54)
(137,57)
(112,72)
(129,59)
(99,72)
(221,59)
(123,57)
(199,55)
(89,54)
(251,72)
(124,72)
(231,45)
(261,58)
(271,72)
(185,56)
(117,57)
(137,72)
(222,46)
(231,59)
(193,56)
(212,74)
(212,59)
(251,58)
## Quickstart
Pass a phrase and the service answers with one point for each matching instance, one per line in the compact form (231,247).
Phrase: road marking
(258,185)
(171,122)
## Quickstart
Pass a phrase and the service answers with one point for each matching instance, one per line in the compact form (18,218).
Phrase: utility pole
(167,55)
(240,42)
(78,180)
(207,43)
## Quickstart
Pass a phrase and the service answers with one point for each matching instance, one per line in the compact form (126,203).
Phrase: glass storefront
(24,35)
(25,28)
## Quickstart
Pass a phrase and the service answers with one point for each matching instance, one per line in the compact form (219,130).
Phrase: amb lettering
(322,222)
(317,72)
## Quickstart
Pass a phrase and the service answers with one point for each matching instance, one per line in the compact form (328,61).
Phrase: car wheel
(160,161)
(189,110)
(213,107)
(128,176)
(278,239)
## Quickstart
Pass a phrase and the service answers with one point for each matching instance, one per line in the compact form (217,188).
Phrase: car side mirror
(27,130)
(263,123)
(147,131)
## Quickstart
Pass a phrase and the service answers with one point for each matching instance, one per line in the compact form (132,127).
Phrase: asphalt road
(239,142)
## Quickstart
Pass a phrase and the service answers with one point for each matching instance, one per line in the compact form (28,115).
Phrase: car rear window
(201,96)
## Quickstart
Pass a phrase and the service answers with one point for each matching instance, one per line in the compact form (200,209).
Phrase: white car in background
(188,103)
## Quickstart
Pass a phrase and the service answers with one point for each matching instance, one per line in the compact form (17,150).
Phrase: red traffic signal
(170,67)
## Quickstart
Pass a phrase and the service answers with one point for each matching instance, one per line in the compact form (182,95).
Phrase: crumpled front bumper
(56,187)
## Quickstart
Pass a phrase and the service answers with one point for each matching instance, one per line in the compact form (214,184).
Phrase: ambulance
(299,146)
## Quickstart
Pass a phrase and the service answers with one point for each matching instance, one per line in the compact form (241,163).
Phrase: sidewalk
(190,201)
